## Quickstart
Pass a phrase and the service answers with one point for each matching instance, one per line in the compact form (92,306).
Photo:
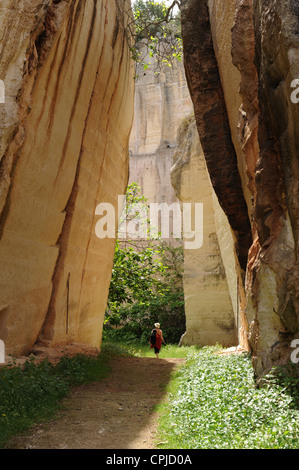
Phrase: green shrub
(214,404)
(138,320)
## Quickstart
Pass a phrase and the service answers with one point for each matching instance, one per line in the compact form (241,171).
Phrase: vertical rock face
(251,53)
(273,278)
(214,91)
(210,319)
(64,149)
(212,120)
(162,101)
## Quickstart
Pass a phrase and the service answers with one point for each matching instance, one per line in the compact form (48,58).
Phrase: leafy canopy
(155,31)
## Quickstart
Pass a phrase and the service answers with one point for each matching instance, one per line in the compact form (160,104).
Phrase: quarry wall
(241,60)
(65,126)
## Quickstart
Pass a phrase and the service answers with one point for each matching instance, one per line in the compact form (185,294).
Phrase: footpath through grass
(212,401)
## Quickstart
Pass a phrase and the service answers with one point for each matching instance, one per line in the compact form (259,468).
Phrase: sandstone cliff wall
(162,101)
(210,318)
(64,149)
(272,281)
(241,58)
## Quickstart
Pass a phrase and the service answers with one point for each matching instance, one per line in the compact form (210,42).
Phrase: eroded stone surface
(210,318)
(206,90)
(162,102)
(66,125)
(263,128)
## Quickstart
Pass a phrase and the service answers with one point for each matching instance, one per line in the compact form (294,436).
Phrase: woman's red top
(158,343)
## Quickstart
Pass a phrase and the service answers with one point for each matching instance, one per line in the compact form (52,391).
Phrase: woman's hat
(157,325)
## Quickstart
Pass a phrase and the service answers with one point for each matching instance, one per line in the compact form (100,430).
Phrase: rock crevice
(206,90)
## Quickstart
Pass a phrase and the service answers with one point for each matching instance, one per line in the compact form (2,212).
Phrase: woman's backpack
(153,337)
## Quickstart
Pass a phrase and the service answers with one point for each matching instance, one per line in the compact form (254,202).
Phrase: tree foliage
(146,285)
(154,30)
(154,19)
(135,276)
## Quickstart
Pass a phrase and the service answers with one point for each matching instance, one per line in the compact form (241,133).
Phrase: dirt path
(116,413)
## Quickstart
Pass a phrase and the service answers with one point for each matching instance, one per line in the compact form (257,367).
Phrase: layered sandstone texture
(210,280)
(65,128)
(241,59)
(162,101)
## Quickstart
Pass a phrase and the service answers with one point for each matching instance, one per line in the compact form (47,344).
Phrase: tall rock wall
(210,318)
(273,276)
(241,58)
(65,127)
(162,101)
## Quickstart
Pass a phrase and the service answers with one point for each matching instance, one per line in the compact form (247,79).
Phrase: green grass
(33,393)
(143,350)
(213,404)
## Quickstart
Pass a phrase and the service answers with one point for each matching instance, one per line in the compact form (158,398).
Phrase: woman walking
(158,340)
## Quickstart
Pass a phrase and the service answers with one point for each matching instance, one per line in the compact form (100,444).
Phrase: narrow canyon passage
(116,413)
(219,131)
